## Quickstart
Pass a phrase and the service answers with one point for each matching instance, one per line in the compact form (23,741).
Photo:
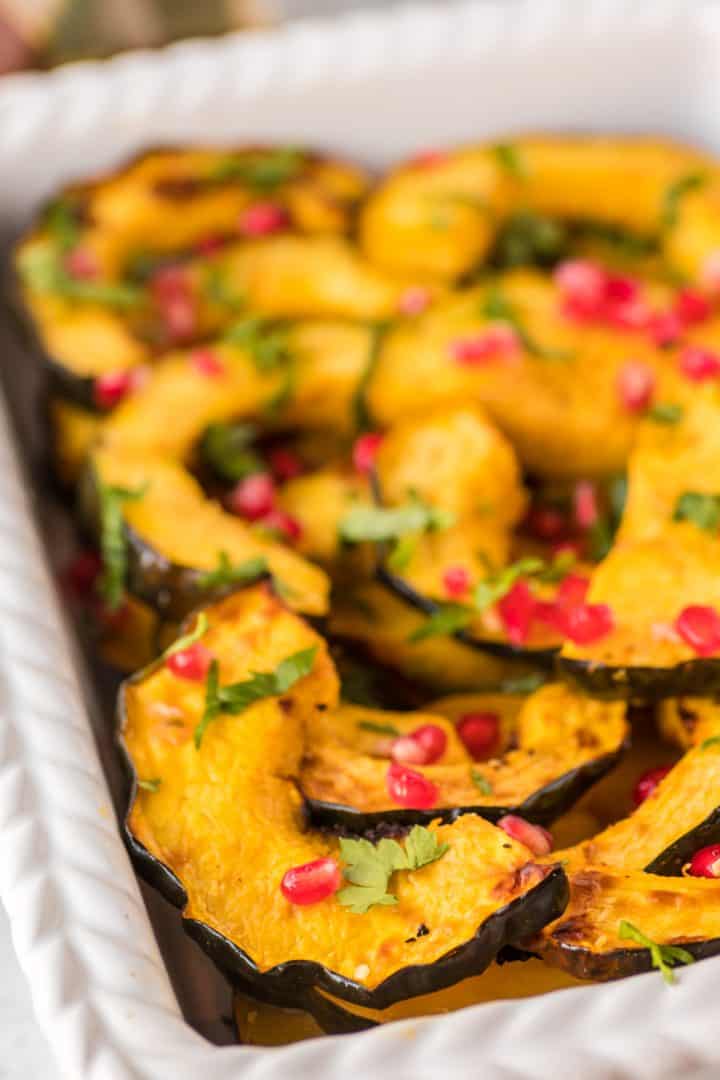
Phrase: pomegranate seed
(546,523)
(414,300)
(629,314)
(479,733)
(536,838)
(423,746)
(699,627)
(516,610)
(111,621)
(311,882)
(278,521)
(585,504)
(692,306)
(81,263)
(110,388)
(209,245)
(584,624)
(705,862)
(635,385)
(285,464)
(82,573)
(698,363)
(263,219)
(192,663)
(365,451)
(254,497)
(648,782)
(710,273)
(410,789)
(665,328)
(172,292)
(621,289)
(494,343)
(206,362)
(582,284)
(456,580)
(572,591)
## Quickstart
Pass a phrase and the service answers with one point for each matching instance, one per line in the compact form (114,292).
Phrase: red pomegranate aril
(621,289)
(206,362)
(498,342)
(172,291)
(585,504)
(629,314)
(82,573)
(705,862)
(572,591)
(263,219)
(648,782)
(582,284)
(536,838)
(698,363)
(414,300)
(278,521)
(410,789)
(516,610)
(285,464)
(110,388)
(710,273)
(365,451)
(692,306)
(81,263)
(254,497)
(546,523)
(479,733)
(456,581)
(699,627)
(209,245)
(665,328)
(311,882)
(423,746)
(585,624)
(636,385)
(192,663)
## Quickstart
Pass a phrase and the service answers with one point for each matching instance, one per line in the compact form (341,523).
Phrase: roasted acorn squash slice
(553,745)
(222,852)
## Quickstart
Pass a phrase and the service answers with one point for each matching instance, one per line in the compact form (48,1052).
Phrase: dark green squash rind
(692,678)
(620,963)
(542,807)
(670,862)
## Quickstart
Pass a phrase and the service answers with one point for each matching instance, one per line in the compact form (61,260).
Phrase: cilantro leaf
(218,290)
(361,413)
(184,642)
(266,341)
(511,160)
(523,684)
(63,224)
(262,172)
(379,729)
(681,187)
(228,573)
(150,785)
(528,239)
(662,957)
(496,306)
(113,545)
(402,552)
(665,413)
(481,782)
(228,450)
(369,867)
(239,696)
(379,523)
(701,509)
(446,619)
(707,744)
(494,587)
(42,270)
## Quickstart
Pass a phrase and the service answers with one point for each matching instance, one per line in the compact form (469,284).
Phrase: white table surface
(24,1053)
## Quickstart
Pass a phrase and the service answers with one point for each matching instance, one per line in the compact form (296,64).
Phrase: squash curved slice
(554,745)
(219,849)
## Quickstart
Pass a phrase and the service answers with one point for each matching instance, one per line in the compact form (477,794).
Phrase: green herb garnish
(701,509)
(523,684)
(262,172)
(218,290)
(707,744)
(229,573)
(184,642)
(237,697)
(511,160)
(402,553)
(113,545)
(62,224)
(378,729)
(42,271)
(497,307)
(662,957)
(363,419)
(379,524)
(228,450)
(481,782)
(369,867)
(494,587)
(150,785)
(665,413)
(528,239)
(671,202)
(446,619)
(266,341)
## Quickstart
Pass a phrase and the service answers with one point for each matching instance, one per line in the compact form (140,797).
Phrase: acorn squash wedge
(551,747)
(220,850)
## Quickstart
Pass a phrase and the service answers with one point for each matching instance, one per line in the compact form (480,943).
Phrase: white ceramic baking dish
(377,86)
